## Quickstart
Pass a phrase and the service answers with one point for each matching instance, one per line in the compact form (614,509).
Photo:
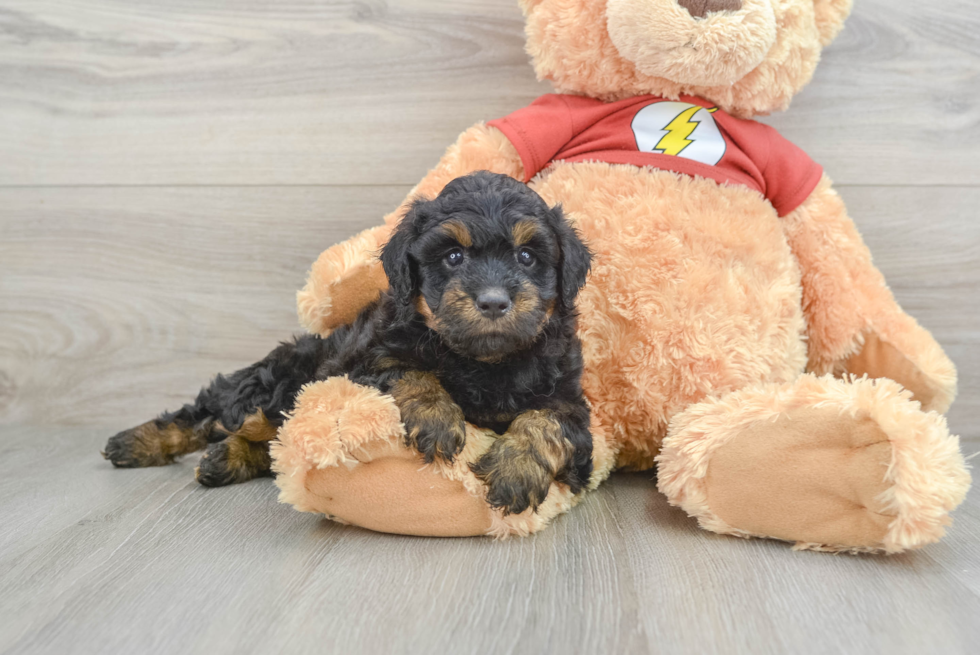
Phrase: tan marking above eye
(458,231)
(523,231)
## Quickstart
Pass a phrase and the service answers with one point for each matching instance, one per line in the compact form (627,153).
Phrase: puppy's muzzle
(494,303)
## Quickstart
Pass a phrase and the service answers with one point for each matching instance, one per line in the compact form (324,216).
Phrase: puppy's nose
(493,303)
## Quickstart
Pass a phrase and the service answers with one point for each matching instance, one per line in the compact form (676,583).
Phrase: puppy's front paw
(515,479)
(441,435)
(434,424)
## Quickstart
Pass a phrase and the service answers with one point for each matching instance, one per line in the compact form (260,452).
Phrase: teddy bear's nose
(701,8)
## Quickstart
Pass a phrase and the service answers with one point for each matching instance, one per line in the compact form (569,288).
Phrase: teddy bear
(737,336)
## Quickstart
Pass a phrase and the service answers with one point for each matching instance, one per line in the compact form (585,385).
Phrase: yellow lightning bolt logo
(678,130)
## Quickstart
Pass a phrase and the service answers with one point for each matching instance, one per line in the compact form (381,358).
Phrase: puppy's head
(487,264)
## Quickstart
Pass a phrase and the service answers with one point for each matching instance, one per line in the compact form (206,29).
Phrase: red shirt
(689,136)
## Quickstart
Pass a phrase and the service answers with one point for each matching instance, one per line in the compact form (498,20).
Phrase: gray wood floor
(169,170)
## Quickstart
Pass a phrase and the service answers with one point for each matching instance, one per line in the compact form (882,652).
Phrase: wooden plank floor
(169,170)
(150,562)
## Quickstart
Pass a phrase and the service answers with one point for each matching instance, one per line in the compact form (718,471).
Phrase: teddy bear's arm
(348,276)
(854,323)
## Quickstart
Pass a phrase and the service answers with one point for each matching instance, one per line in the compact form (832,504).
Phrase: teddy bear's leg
(342,453)
(348,276)
(854,323)
(829,464)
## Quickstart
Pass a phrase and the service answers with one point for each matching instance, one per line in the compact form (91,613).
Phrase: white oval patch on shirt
(679,129)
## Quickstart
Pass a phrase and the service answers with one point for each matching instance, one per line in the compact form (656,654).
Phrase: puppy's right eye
(455,257)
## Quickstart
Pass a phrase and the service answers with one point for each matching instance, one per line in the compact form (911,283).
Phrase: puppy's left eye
(455,257)
(526,257)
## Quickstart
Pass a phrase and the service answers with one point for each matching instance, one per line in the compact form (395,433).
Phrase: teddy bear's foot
(342,454)
(829,464)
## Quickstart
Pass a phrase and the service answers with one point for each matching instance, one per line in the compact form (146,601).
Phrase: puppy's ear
(576,260)
(400,268)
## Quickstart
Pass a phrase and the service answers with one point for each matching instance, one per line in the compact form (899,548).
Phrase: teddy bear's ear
(528,5)
(831,15)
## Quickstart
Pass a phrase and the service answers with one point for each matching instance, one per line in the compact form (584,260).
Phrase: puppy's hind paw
(149,444)
(232,461)
(120,450)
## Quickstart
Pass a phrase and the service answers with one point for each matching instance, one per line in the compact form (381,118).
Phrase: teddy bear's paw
(829,464)
(918,363)
(336,421)
(344,279)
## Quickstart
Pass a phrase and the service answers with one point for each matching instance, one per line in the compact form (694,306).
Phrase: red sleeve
(790,174)
(539,131)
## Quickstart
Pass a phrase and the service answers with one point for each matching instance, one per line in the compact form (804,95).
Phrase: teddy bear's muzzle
(698,42)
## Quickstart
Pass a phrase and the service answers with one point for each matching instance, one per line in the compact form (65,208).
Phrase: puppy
(478,325)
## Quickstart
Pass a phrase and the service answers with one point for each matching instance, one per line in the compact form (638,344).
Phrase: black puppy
(478,325)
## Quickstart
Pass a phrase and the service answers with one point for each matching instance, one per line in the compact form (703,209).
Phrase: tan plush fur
(582,58)
(706,322)
(341,454)
(662,39)
(830,16)
(925,476)
(701,250)
(846,299)
(342,275)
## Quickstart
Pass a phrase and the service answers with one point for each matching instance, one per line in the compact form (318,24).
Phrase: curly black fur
(478,322)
